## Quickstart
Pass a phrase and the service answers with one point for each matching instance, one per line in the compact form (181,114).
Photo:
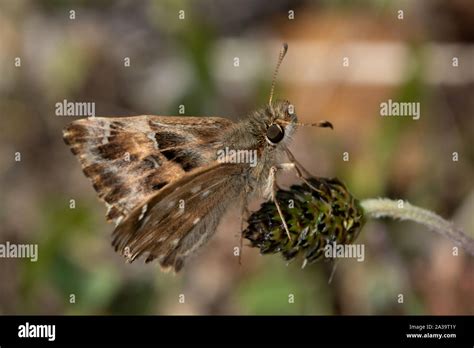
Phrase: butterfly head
(280,121)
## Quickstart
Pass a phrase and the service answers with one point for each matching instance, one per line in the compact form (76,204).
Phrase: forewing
(181,217)
(130,159)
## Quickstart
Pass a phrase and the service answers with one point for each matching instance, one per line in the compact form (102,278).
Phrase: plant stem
(384,207)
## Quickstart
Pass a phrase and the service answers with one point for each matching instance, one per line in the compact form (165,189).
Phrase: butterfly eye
(275,133)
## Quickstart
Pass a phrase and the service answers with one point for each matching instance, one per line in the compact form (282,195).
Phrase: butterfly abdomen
(322,213)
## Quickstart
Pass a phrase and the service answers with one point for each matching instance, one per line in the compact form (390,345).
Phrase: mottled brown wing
(181,217)
(130,159)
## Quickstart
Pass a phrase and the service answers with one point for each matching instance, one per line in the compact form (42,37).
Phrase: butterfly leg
(299,169)
(274,188)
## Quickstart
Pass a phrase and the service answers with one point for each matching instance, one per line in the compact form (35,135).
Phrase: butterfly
(168,180)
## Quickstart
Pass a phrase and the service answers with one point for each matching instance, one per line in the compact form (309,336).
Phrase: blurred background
(344,59)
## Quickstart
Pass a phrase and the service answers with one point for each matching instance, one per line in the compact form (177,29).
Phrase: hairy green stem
(383,207)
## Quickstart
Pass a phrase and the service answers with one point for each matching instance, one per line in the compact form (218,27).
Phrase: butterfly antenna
(322,124)
(283,51)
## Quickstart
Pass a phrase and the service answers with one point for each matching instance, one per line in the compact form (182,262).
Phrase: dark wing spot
(110,151)
(154,181)
(105,181)
(97,186)
(188,160)
(116,129)
(75,134)
(67,139)
(93,170)
(116,193)
(159,185)
(117,125)
(113,213)
(170,154)
(167,140)
(110,179)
